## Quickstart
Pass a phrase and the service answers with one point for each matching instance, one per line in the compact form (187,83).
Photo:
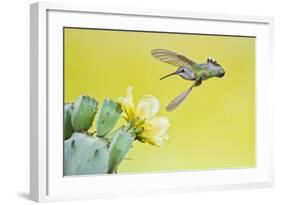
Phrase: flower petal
(147,107)
(157,126)
(127,103)
(128,99)
(155,131)
(158,141)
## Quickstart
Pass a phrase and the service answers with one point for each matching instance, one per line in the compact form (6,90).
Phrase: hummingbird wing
(179,99)
(171,57)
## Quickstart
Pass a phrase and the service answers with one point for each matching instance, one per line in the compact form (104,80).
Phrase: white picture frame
(46,179)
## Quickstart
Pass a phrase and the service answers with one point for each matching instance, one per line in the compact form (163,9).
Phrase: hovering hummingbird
(188,70)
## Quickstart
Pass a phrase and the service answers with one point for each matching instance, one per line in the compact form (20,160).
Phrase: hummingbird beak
(174,73)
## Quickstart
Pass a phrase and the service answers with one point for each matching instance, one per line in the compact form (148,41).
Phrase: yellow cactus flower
(152,129)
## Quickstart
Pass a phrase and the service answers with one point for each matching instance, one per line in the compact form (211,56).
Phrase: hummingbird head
(215,68)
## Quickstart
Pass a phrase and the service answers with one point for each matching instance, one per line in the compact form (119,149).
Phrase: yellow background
(213,128)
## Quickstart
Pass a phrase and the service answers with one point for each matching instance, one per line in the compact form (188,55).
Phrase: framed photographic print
(127,102)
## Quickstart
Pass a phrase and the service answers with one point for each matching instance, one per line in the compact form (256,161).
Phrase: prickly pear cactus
(85,155)
(68,128)
(84,111)
(107,117)
(100,152)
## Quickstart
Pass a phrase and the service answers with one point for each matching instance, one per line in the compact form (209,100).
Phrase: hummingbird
(188,70)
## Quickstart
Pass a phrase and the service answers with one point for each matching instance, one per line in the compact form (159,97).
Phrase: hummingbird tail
(179,99)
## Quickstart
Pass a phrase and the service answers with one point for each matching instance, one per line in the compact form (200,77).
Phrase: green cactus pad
(107,116)
(84,111)
(85,155)
(67,126)
(119,147)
